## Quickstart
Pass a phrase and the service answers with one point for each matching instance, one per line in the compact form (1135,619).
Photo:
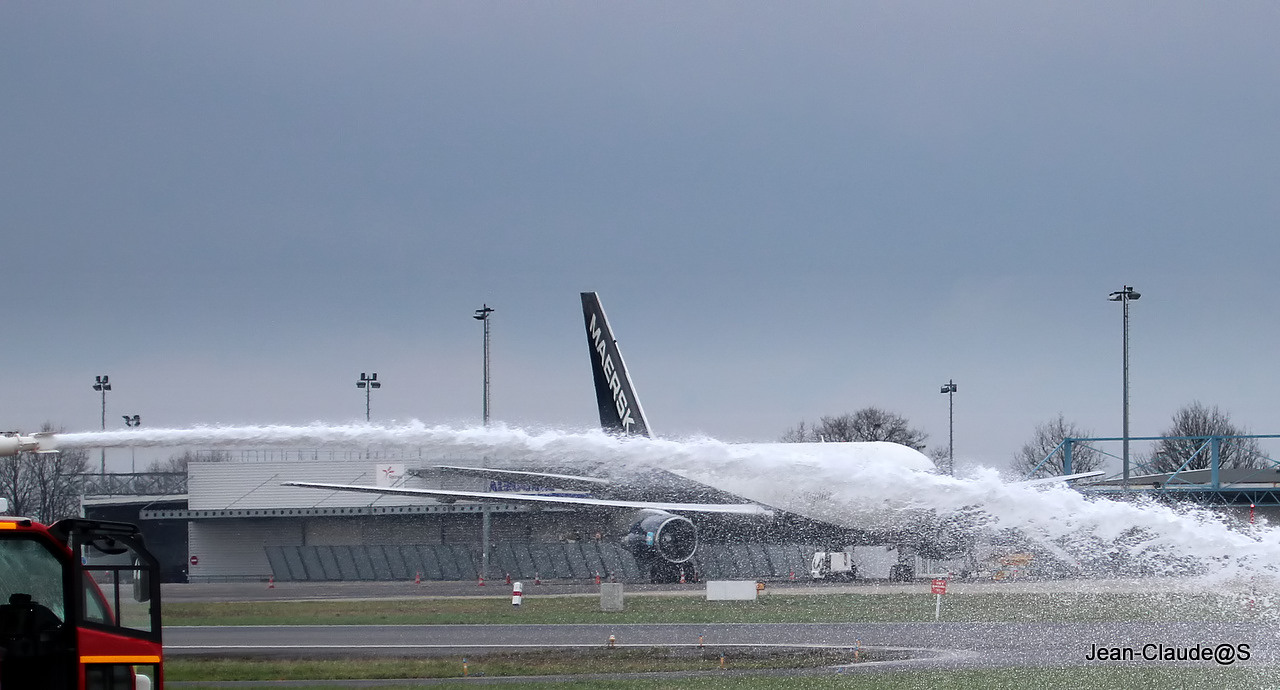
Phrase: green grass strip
(834,608)
(547,662)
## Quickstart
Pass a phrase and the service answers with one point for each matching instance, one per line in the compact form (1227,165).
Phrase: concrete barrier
(611,596)
(731,590)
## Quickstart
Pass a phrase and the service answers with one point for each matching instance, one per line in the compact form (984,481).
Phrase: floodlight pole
(1124,297)
(132,421)
(950,389)
(368,383)
(103,384)
(482,314)
(485,529)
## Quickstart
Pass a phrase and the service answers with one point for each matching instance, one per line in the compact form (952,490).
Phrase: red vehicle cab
(63,621)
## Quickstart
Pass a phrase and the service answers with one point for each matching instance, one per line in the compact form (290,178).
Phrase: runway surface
(929,645)
(934,645)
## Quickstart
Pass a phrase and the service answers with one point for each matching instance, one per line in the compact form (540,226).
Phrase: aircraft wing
(1063,478)
(723,508)
(526,476)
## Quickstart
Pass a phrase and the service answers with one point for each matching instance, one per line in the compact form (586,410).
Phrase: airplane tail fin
(620,410)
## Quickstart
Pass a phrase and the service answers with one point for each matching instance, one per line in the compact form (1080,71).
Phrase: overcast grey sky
(788,209)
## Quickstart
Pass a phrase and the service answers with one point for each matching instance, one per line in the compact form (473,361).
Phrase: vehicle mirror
(108,546)
(141,583)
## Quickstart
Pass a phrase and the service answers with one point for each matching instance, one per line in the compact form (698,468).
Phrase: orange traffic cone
(508,578)
(481,582)
(793,576)
(417,577)
(537,579)
(597,577)
(682,576)
(271,582)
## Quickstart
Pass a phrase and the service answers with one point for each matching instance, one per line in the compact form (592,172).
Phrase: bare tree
(1048,436)
(941,457)
(867,424)
(56,491)
(178,463)
(1199,420)
(13,483)
(174,463)
(800,433)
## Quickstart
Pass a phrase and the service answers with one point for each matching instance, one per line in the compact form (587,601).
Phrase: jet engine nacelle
(657,534)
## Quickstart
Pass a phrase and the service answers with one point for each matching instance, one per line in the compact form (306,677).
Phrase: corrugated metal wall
(233,548)
(236,549)
(525,560)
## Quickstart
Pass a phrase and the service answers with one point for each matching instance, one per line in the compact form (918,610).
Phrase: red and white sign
(388,475)
(939,586)
(195,561)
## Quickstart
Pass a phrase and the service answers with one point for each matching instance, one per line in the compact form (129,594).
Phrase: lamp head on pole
(1127,293)
(482,314)
(949,387)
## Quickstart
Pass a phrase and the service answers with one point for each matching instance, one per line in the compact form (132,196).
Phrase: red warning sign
(939,586)
(195,561)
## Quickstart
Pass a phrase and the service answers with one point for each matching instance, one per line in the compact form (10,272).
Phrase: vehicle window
(95,609)
(28,567)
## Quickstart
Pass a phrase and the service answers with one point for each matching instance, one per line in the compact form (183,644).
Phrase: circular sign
(195,561)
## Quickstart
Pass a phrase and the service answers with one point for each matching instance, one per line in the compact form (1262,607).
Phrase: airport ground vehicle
(64,623)
(834,565)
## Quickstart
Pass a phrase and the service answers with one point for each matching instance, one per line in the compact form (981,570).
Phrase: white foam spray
(1160,539)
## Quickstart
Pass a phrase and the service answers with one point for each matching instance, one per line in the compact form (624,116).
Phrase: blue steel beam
(1215,455)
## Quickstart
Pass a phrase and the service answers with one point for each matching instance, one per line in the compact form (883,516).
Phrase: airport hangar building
(241,524)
